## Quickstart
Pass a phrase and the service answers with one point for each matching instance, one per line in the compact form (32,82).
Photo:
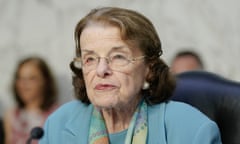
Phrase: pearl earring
(145,85)
(77,63)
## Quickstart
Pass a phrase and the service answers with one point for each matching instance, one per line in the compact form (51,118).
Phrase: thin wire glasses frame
(114,62)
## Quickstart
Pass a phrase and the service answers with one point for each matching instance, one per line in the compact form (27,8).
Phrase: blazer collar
(77,127)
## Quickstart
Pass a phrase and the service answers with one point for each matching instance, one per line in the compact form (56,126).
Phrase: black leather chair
(215,96)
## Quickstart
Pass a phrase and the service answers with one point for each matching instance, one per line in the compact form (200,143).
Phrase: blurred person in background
(35,93)
(186,61)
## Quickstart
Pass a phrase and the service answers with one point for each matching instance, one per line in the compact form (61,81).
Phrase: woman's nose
(103,69)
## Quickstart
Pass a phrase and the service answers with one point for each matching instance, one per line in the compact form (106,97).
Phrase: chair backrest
(215,96)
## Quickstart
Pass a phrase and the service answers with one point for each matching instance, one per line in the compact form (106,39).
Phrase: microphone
(36,133)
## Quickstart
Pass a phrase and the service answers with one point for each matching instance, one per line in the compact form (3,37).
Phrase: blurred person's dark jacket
(1,132)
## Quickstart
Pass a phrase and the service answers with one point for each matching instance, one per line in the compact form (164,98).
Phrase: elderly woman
(123,89)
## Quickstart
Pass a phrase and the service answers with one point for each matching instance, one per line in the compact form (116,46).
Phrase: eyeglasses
(115,61)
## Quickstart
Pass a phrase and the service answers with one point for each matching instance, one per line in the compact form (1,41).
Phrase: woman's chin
(105,106)
(109,104)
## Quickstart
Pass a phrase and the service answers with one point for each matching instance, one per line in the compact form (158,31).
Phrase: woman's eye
(119,57)
(89,60)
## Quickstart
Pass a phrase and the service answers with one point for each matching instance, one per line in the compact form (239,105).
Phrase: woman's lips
(104,87)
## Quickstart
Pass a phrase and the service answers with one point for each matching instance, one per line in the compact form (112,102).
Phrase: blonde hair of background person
(35,93)
(123,88)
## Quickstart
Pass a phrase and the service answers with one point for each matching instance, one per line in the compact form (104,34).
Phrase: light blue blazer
(168,123)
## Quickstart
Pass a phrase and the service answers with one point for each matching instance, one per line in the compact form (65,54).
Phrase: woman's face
(108,85)
(30,82)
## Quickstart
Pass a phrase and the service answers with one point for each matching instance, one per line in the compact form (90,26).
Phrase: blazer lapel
(77,128)
(156,120)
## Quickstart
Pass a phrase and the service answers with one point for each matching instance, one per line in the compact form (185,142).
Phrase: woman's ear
(147,72)
(146,75)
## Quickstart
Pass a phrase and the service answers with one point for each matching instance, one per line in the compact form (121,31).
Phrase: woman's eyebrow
(115,48)
(88,51)
(118,47)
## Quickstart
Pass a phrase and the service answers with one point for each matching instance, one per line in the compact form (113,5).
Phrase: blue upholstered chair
(215,96)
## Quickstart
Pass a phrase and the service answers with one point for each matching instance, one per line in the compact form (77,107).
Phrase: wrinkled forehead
(94,32)
(99,38)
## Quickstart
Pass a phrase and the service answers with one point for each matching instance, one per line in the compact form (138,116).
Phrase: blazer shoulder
(70,119)
(67,109)
(186,123)
(184,112)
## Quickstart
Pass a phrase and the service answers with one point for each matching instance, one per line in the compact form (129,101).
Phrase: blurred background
(45,28)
